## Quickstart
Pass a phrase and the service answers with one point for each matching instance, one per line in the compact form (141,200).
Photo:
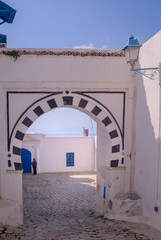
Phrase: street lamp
(131,51)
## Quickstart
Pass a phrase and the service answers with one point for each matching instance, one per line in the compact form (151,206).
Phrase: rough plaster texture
(128,204)
(11,213)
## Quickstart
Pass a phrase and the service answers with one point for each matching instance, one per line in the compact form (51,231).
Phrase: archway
(59,133)
(90,106)
(110,182)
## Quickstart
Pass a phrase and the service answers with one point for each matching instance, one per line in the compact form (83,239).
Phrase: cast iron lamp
(131,51)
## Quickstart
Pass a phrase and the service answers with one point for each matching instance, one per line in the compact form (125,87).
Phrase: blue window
(70,159)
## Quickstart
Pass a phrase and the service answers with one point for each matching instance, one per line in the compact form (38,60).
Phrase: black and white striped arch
(52,101)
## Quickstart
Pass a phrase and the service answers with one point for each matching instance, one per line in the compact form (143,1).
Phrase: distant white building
(59,154)
(100,84)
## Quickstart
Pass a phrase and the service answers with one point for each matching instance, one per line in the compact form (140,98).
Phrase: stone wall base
(10,213)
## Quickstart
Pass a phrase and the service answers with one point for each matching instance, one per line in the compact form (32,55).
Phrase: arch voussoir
(65,100)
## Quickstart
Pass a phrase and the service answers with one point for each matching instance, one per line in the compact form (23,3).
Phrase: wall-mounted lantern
(131,51)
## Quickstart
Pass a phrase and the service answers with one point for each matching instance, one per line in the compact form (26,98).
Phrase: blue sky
(100,24)
(64,122)
(70,23)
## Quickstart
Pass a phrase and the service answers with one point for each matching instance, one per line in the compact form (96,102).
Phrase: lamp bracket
(151,73)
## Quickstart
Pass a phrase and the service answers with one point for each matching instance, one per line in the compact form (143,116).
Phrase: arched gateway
(98,83)
(87,80)
(78,100)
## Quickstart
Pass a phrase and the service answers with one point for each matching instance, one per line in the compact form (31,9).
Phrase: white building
(61,154)
(100,84)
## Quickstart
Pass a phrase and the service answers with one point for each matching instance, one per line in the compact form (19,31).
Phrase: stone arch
(68,99)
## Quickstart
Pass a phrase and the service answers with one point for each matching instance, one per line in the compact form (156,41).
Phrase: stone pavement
(62,207)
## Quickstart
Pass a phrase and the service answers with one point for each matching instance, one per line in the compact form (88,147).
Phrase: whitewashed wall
(52,152)
(142,151)
(32,77)
(146,154)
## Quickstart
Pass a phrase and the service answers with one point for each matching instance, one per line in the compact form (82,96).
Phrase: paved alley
(62,207)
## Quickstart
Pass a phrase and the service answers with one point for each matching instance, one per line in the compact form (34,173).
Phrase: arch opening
(89,155)
(89,106)
(109,134)
(57,136)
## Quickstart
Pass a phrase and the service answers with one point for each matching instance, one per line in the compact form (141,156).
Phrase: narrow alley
(62,207)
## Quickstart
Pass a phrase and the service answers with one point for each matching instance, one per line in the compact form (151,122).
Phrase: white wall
(52,153)
(33,73)
(11,204)
(146,155)
(103,156)
(55,73)
(63,69)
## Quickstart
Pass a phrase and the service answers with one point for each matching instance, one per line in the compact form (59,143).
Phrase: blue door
(26,160)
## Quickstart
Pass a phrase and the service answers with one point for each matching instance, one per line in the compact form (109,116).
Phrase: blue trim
(3,38)
(7,13)
(142,69)
(132,42)
(104,193)
(70,159)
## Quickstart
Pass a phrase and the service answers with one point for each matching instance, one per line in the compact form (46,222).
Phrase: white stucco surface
(100,84)
(52,152)
(10,213)
(147,177)
(11,204)
(63,69)
(105,81)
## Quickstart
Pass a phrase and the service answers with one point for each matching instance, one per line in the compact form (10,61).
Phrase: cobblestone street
(62,206)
